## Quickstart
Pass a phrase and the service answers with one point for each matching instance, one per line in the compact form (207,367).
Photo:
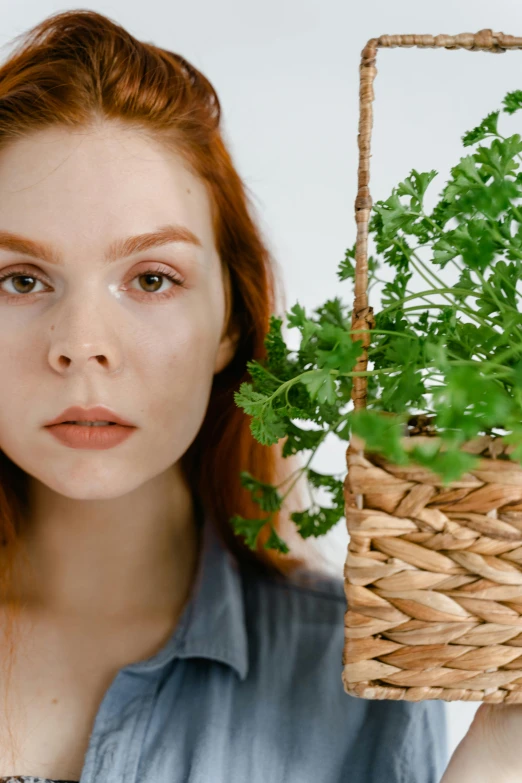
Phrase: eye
(156,274)
(23,275)
(22,281)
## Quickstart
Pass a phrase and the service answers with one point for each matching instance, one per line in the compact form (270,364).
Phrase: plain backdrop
(287,74)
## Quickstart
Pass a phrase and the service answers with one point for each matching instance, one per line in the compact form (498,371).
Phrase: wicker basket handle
(362,316)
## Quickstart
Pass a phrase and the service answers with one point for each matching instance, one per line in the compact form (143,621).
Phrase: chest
(58,679)
(51,714)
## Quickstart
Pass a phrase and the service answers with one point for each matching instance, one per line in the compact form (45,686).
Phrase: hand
(491,751)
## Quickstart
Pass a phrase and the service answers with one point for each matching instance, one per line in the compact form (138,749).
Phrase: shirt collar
(212,623)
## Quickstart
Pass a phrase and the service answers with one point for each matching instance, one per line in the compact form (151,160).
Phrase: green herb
(458,361)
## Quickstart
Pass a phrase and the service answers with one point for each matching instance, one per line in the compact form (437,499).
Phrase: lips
(91,423)
(94,413)
(81,436)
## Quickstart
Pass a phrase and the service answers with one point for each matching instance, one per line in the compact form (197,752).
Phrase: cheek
(175,372)
(174,396)
(21,372)
(181,350)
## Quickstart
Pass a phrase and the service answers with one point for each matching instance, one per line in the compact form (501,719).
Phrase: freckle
(52,328)
(55,701)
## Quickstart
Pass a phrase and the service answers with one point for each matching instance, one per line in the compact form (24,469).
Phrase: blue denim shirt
(248,689)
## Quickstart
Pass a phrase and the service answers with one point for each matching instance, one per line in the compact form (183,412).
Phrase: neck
(131,556)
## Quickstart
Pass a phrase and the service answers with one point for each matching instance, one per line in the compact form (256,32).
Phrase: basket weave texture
(433,574)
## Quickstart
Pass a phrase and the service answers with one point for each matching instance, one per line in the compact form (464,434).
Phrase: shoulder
(304,589)
(310,584)
(296,641)
(299,613)
(304,604)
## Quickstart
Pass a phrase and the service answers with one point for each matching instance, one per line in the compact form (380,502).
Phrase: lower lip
(77,436)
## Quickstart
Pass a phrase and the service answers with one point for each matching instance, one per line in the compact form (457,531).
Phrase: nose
(82,341)
(76,361)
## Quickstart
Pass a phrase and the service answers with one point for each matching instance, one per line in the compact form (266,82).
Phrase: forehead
(115,180)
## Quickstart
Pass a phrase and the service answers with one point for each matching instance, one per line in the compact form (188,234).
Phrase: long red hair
(79,68)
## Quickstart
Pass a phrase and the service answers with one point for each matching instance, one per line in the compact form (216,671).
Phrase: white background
(287,74)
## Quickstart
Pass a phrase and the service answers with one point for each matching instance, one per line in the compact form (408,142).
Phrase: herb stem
(437,291)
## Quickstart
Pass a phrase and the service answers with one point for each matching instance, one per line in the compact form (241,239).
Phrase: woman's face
(85,331)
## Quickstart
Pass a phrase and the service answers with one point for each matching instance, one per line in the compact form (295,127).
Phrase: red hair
(78,69)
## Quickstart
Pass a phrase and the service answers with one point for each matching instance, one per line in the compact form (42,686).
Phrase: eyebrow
(120,248)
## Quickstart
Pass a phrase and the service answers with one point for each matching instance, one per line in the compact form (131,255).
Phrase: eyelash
(170,275)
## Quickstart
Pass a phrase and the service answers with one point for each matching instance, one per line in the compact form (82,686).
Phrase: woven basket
(433,574)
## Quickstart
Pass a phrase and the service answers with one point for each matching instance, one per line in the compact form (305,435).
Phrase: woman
(143,639)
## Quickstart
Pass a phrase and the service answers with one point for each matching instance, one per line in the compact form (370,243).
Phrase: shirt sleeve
(399,742)
(425,754)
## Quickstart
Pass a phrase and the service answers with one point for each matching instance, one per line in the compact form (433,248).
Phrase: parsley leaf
(438,350)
